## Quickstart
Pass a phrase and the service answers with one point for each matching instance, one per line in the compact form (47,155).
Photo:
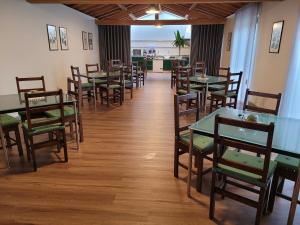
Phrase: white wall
(271,70)
(228,27)
(24,47)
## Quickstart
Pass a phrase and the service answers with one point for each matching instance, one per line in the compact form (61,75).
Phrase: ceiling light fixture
(152,10)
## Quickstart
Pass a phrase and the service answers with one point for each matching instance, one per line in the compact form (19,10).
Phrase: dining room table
(13,103)
(286,139)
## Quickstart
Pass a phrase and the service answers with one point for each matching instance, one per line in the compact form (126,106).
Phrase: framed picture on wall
(52,37)
(276,37)
(85,40)
(228,43)
(90,37)
(63,38)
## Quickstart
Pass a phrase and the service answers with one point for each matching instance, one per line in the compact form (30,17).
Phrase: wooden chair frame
(182,147)
(220,142)
(59,133)
(20,80)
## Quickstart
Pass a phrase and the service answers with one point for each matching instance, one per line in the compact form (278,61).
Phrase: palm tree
(179,41)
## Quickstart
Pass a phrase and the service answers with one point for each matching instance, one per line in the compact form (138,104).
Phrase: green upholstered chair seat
(7,120)
(222,93)
(22,114)
(68,111)
(287,161)
(197,86)
(128,82)
(42,129)
(87,85)
(98,81)
(216,87)
(184,92)
(249,160)
(201,143)
(112,86)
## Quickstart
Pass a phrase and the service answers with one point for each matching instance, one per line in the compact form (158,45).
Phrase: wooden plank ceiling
(127,12)
(110,14)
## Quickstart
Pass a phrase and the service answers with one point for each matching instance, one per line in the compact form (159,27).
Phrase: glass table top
(103,74)
(208,79)
(286,133)
(16,102)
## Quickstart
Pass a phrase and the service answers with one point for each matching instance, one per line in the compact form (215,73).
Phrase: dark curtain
(114,43)
(206,46)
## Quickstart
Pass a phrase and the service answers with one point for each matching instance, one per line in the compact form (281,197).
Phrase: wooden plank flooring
(122,175)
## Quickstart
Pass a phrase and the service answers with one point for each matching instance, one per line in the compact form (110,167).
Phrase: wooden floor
(122,175)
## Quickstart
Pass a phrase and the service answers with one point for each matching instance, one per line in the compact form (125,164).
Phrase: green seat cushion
(128,81)
(287,161)
(197,86)
(42,129)
(184,92)
(216,87)
(112,86)
(22,114)
(7,120)
(98,81)
(68,111)
(222,93)
(245,159)
(87,85)
(201,143)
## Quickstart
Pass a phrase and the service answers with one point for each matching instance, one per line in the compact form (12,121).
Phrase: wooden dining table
(16,103)
(286,139)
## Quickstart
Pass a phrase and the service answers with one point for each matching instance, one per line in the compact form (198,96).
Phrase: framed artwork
(85,40)
(228,43)
(64,45)
(52,37)
(90,37)
(276,37)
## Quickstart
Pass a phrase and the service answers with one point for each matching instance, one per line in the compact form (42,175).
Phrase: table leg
(76,127)
(3,142)
(294,199)
(190,165)
(205,97)
(94,90)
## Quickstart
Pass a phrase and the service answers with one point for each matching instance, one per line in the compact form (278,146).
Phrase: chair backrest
(233,82)
(74,89)
(191,111)
(76,73)
(41,86)
(114,76)
(276,97)
(32,109)
(183,79)
(223,71)
(199,68)
(92,68)
(223,141)
(128,72)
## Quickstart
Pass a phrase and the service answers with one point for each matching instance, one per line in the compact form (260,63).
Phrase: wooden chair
(174,67)
(34,127)
(94,68)
(199,68)
(128,78)
(73,89)
(113,89)
(203,146)
(31,84)
(141,72)
(232,87)
(221,72)
(138,74)
(87,88)
(254,108)
(239,169)
(10,124)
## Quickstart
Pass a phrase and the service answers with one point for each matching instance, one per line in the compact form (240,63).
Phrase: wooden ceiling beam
(143,2)
(128,11)
(159,22)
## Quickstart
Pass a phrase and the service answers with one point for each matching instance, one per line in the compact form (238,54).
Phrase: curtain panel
(244,44)
(206,45)
(114,43)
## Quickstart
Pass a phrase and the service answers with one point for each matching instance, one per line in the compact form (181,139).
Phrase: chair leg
(120,96)
(80,128)
(199,173)
(27,146)
(131,93)
(281,185)
(7,137)
(18,140)
(211,104)
(32,151)
(224,185)
(101,96)
(64,143)
(212,197)
(176,160)
(262,194)
(107,98)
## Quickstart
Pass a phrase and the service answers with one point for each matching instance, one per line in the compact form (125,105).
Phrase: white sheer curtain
(290,106)
(244,44)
